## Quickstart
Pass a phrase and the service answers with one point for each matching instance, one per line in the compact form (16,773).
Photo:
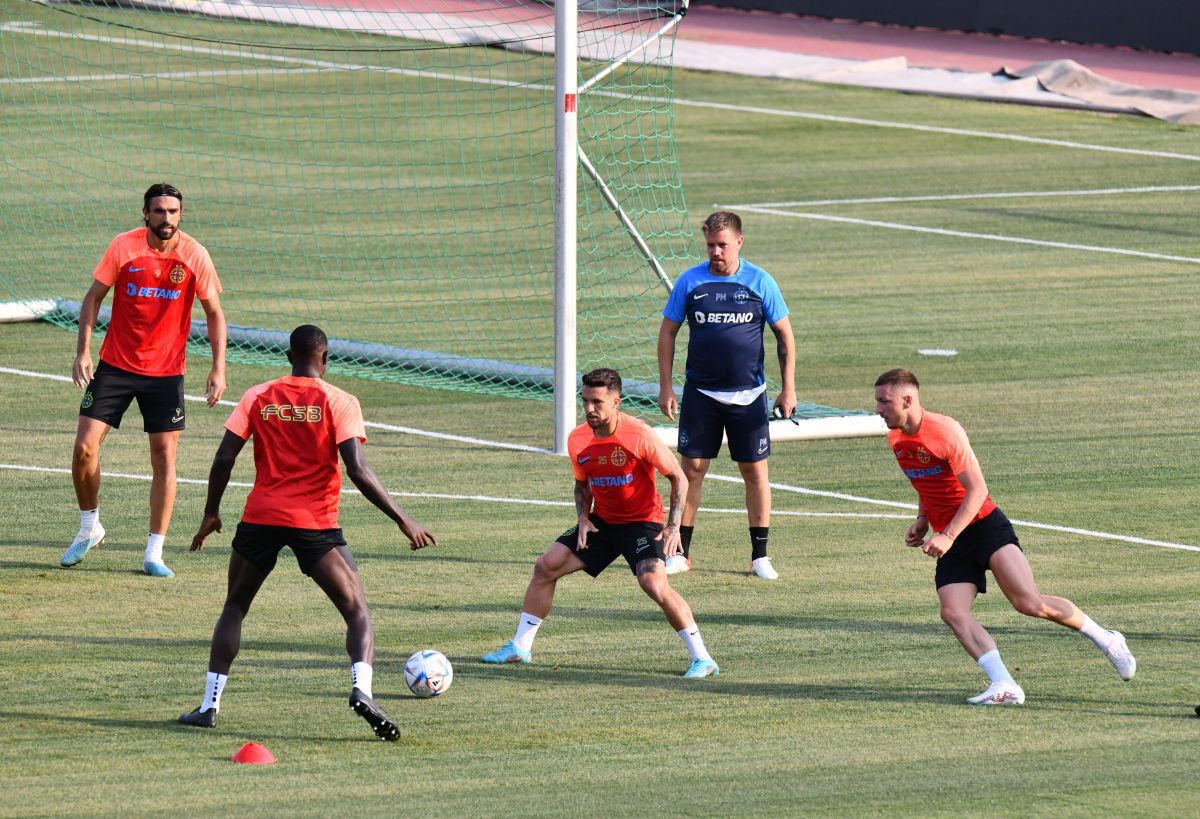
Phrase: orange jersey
(297,424)
(620,469)
(152,301)
(933,459)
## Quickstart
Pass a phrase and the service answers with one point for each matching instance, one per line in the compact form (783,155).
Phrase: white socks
(154,546)
(88,518)
(362,674)
(214,684)
(694,642)
(994,667)
(526,631)
(1101,637)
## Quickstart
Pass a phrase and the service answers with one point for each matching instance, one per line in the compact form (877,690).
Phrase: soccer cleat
(762,568)
(157,569)
(703,668)
(510,652)
(1000,693)
(75,552)
(677,564)
(200,719)
(1120,656)
(380,722)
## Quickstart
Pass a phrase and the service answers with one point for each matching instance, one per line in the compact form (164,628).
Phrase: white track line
(502,445)
(19,28)
(963,234)
(57,470)
(958,197)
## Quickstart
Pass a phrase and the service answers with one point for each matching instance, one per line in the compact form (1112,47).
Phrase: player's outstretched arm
(364,478)
(218,479)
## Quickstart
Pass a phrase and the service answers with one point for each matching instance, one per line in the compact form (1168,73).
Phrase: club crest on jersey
(922,455)
(178,273)
(742,296)
(618,457)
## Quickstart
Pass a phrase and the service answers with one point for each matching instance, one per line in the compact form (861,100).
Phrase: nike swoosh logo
(585,460)
(136,269)
(701,296)
(177,420)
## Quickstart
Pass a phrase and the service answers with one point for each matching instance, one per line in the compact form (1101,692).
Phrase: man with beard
(155,273)
(614,457)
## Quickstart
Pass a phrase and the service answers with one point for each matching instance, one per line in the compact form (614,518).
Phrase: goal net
(384,168)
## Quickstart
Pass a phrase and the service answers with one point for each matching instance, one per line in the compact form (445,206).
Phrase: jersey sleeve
(677,301)
(959,453)
(655,452)
(207,283)
(108,269)
(239,419)
(575,444)
(347,417)
(774,307)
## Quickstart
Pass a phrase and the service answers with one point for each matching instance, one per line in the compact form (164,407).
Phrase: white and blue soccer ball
(428,673)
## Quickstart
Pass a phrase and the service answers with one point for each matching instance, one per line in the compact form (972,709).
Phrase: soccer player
(970,536)
(726,303)
(157,271)
(300,424)
(614,457)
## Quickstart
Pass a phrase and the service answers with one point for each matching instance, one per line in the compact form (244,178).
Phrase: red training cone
(252,753)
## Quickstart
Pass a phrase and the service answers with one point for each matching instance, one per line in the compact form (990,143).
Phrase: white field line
(57,470)
(956,197)
(502,445)
(19,28)
(963,234)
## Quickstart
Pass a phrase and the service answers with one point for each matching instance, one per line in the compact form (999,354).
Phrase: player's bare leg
(337,575)
(956,602)
(163,449)
(652,577)
(245,579)
(557,561)
(1015,577)
(756,476)
(85,475)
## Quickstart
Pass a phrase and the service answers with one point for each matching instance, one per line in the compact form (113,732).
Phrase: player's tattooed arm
(583,499)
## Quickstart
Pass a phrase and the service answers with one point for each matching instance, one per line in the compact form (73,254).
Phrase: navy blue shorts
(967,560)
(112,390)
(636,541)
(260,544)
(703,421)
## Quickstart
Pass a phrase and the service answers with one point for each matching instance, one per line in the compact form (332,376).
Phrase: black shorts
(703,420)
(111,390)
(967,560)
(637,541)
(260,544)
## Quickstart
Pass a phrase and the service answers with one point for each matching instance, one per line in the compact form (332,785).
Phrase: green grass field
(841,692)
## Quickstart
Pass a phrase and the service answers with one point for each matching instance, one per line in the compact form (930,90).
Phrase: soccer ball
(428,673)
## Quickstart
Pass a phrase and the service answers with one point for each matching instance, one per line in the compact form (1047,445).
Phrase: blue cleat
(75,552)
(703,668)
(157,569)
(508,653)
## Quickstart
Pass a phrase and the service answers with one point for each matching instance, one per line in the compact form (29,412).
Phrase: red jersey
(297,424)
(933,459)
(620,470)
(152,301)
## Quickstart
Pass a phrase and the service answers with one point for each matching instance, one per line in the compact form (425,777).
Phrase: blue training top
(726,316)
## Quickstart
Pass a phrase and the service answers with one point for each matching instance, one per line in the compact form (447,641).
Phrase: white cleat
(677,564)
(1000,693)
(762,568)
(1120,656)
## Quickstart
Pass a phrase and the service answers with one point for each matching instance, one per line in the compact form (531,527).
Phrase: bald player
(300,424)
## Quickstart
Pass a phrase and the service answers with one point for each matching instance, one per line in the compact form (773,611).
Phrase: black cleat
(201,719)
(380,722)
